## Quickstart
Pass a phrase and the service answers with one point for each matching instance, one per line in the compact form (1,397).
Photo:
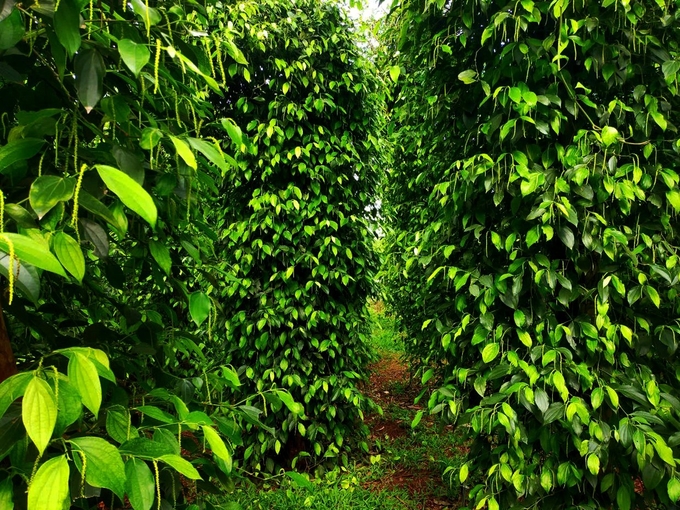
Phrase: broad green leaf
(135,55)
(673,197)
(27,279)
(12,388)
(130,193)
(524,337)
(118,425)
(463,473)
(47,191)
(567,236)
(7,494)
(161,254)
(300,480)
(69,254)
(39,412)
(49,487)
(597,397)
(90,70)
(653,295)
(609,135)
(664,452)
(149,15)
(233,131)
(184,151)
(157,414)
(468,76)
(182,466)
(96,207)
(217,446)
(199,307)
(593,464)
(394,73)
(673,488)
(287,399)
(490,352)
(11,30)
(105,466)
(145,448)
(67,26)
(210,151)
(69,406)
(233,51)
(83,375)
(140,486)
(150,138)
(19,150)
(623,498)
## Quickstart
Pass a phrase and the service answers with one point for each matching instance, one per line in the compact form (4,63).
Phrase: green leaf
(118,425)
(416,419)
(184,151)
(233,131)
(6,486)
(182,466)
(12,388)
(673,197)
(11,31)
(47,191)
(90,69)
(210,151)
(96,207)
(217,446)
(145,448)
(300,480)
(150,138)
(468,76)
(567,236)
(83,375)
(593,464)
(524,337)
(623,498)
(161,254)
(597,397)
(27,279)
(39,412)
(105,466)
(135,55)
(49,487)
(18,150)
(286,398)
(130,193)
(394,73)
(140,486)
(463,473)
(653,295)
(32,252)
(69,406)
(199,307)
(149,15)
(664,451)
(609,135)
(490,352)
(69,254)
(673,489)
(67,26)
(156,414)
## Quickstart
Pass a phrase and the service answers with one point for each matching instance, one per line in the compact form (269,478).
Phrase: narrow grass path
(403,469)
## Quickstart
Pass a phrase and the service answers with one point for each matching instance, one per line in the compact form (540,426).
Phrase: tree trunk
(8,363)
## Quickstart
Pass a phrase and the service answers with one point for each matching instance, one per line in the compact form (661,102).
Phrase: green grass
(384,336)
(339,489)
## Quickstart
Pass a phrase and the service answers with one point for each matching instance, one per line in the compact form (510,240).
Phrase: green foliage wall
(533,257)
(296,246)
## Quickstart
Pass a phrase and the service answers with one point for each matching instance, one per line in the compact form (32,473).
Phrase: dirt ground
(387,374)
